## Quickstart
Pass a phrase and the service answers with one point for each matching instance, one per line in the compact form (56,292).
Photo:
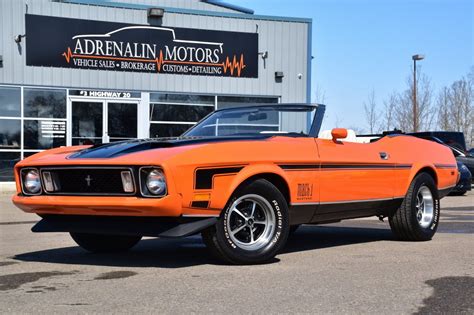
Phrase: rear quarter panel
(422,154)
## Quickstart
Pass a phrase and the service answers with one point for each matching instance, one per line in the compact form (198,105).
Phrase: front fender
(224,192)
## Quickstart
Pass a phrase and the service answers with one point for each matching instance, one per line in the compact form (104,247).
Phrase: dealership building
(91,71)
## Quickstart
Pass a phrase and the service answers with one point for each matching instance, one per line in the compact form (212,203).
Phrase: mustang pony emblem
(88,180)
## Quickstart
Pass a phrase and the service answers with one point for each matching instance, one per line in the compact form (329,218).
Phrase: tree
(444,105)
(398,111)
(319,95)
(371,113)
(455,107)
(388,112)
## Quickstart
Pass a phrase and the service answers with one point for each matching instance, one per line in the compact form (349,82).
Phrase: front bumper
(170,227)
(168,206)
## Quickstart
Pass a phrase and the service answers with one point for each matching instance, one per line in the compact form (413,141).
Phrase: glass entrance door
(121,121)
(95,122)
(87,122)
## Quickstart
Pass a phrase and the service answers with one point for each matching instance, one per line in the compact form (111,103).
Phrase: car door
(355,178)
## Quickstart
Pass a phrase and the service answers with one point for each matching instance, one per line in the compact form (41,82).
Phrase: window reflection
(167,112)
(122,120)
(182,98)
(44,134)
(47,103)
(7,162)
(10,98)
(240,101)
(168,130)
(10,133)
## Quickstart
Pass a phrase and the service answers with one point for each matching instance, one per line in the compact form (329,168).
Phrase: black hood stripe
(115,149)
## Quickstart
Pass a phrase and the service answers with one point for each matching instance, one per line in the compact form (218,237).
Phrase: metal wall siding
(183,4)
(285,41)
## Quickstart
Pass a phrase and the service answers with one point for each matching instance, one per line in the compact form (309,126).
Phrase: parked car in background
(471,152)
(452,138)
(465,181)
(464,158)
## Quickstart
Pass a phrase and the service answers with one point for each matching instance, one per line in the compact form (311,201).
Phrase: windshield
(254,120)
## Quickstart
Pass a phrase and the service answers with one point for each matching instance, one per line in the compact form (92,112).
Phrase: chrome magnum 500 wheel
(418,217)
(253,227)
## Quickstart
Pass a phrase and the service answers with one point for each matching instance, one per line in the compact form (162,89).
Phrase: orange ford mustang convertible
(243,177)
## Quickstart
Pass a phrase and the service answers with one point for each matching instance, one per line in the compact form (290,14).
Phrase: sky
(364,45)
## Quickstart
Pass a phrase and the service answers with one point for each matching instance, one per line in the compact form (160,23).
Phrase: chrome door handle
(384,155)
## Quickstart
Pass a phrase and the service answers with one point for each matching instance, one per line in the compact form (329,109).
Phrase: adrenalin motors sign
(87,44)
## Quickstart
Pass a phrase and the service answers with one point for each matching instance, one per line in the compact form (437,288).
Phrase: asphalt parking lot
(351,267)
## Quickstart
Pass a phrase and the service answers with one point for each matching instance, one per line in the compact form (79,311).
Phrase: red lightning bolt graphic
(67,55)
(234,65)
(159,61)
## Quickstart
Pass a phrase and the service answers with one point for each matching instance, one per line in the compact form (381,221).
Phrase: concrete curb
(7,188)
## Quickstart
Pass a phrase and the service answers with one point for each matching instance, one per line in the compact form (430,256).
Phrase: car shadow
(179,253)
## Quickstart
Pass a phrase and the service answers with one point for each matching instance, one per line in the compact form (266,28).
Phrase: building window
(182,98)
(40,132)
(10,134)
(239,101)
(10,98)
(158,130)
(168,112)
(172,114)
(44,103)
(44,134)
(7,162)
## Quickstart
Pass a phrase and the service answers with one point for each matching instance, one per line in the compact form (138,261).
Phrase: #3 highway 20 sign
(87,44)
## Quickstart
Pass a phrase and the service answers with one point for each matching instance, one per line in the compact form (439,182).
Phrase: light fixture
(279,74)
(415,58)
(18,38)
(418,57)
(156,12)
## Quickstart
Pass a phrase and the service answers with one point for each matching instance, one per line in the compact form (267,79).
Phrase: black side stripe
(357,166)
(446,166)
(384,166)
(403,166)
(203,177)
(299,166)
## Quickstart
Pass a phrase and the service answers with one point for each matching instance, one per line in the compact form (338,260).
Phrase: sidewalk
(9,214)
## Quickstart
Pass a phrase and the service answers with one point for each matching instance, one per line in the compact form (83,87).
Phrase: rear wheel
(101,243)
(418,217)
(253,227)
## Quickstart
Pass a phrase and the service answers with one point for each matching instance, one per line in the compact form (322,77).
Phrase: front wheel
(253,227)
(101,243)
(418,217)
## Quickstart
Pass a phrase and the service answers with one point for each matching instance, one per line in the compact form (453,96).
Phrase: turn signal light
(127,182)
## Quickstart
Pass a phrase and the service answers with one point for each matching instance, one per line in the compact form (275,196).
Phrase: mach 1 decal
(73,43)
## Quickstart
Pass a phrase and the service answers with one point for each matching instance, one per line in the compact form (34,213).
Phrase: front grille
(88,181)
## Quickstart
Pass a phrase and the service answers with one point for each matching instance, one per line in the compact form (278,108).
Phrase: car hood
(116,149)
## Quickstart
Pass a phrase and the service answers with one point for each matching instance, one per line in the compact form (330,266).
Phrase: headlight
(464,167)
(31,181)
(153,182)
